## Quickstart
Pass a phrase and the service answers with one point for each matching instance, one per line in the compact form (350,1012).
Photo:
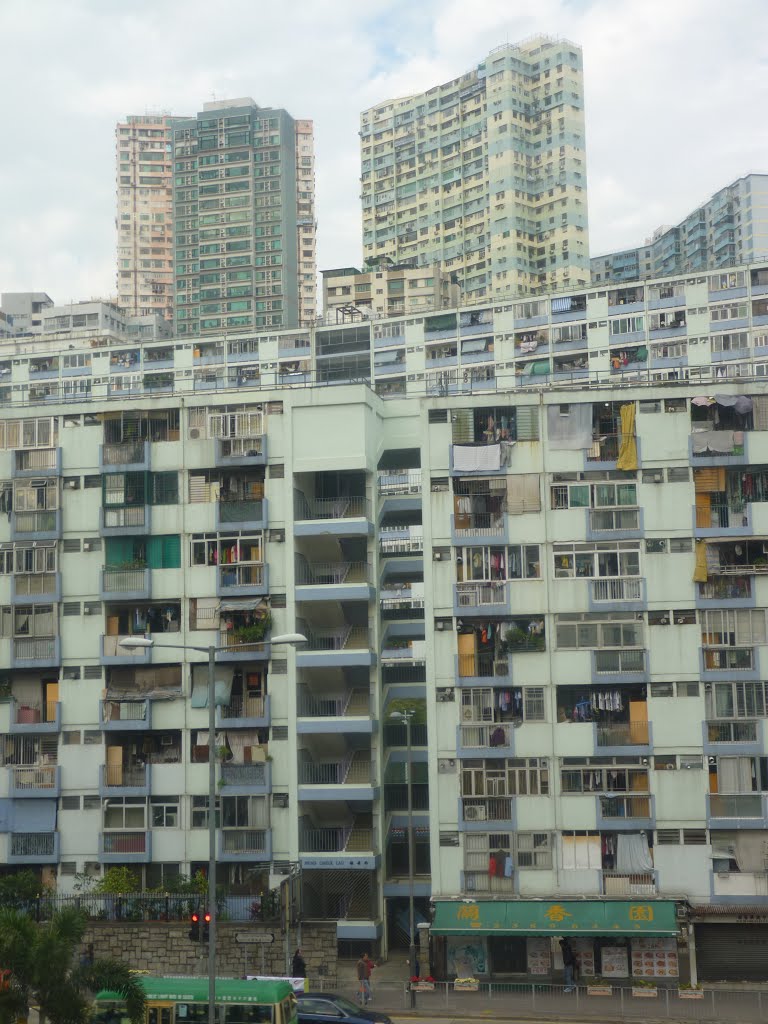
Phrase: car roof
(318,995)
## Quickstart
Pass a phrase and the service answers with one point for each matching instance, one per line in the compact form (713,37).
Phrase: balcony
(250,514)
(730,591)
(488,598)
(241,451)
(351,778)
(486,739)
(721,519)
(627,665)
(348,846)
(245,712)
(475,813)
(244,579)
(398,651)
(125,715)
(37,462)
(483,669)
(614,520)
(348,713)
(622,589)
(236,844)
(478,526)
(118,780)
(735,731)
(35,718)
(719,660)
(341,645)
(36,588)
(735,807)
(402,600)
(125,847)
(624,812)
(345,515)
(399,482)
(617,883)
(123,456)
(401,540)
(35,781)
(131,584)
(113,654)
(36,652)
(118,522)
(33,848)
(255,778)
(333,581)
(622,734)
(44,524)
(604,449)
(233,649)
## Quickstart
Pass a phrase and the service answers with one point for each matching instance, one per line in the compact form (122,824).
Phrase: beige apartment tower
(485,174)
(306,223)
(145,215)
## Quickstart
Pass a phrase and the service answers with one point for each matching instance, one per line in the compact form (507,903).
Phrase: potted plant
(422,984)
(689,991)
(466,985)
(598,987)
(642,989)
(255,633)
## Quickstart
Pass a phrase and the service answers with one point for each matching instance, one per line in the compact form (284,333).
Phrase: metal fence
(145,906)
(542,1000)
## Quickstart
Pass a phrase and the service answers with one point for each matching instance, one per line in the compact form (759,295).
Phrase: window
(688,689)
(534,850)
(732,627)
(72,737)
(125,813)
(593,630)
(534,708)
(662,690)
(740,700)
(593,775)
(583,495)
(627,325)
(678,474)
(596,561)
(165,811)
(680,545)
(518,776)
(244,812)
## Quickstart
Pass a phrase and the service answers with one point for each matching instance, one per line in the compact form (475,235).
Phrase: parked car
(328,1008)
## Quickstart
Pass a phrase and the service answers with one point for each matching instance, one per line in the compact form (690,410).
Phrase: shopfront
(731,942)
(496,939)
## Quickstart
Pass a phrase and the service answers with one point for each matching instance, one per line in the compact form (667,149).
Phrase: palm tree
(40,967)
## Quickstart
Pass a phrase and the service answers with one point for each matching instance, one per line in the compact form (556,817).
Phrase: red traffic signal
(194,930)
(207,918)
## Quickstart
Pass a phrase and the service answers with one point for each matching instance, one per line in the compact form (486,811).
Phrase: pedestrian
(299,967)
(363,978)
(569,961)
(87,958)
(369,965)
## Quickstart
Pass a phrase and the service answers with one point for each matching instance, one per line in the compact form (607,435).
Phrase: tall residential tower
(236,218)
(485,174)
(144,215)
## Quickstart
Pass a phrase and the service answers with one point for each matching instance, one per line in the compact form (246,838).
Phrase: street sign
(255,938)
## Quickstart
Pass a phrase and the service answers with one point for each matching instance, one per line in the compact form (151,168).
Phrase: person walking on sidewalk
(299,966)
(364,968)
(569,963)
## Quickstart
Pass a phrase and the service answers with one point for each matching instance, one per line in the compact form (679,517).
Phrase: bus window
(191,1013)
(249,1014)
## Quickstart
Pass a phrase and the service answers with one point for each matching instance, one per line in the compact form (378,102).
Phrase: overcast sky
(676,95)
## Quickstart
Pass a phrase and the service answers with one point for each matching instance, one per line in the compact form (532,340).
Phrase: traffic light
(206,926)
(194,927)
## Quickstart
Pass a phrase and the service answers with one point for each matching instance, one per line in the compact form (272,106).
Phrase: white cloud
(673,94)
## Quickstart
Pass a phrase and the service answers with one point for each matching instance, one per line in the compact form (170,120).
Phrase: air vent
(446,765)
(274,408)
(277,600)
(92,672)
(694,837)
(70,803)
(445,694)
(441,554)
(278,667)
(279,732)
(437,416)
(438,484)
(279,799)
(71,547)
(449,838)
(276,472)
(92,608)
(71,607)
(71,672)
(277,536)
(91,803)
(92,543)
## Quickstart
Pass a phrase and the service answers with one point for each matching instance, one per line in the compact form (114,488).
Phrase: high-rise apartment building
(305,220)
(145,215)
(236,214)
(485,174)
(566,585)
(729,229)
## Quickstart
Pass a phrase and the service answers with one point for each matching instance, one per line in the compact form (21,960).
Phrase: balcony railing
(726,588)
(134,515)
(353,703)
(124,710)
(731,659)
(123,581)
(244,574)
(110,648)
(31,714)
(492,808)
(609,520)
(479,524)
(35,522)
(343,507)
(229,641)
(618,588)
(623,734)
(625,806)
(324,840)
(244,707)
(487,734)
(340,639)
(41,458)
(615,661)
(721,516)
(351,770)
(244,774)
(399,481)
(479,595)
(124,842)
(736,731)
(332,573)
(118,777)
(482,666)
(604,449)
(736,805)
(246,840)
(616,883)
(34,649)
(33,844)
(125,453)
(400,541)
(241,511)
(34,584)
(36,777)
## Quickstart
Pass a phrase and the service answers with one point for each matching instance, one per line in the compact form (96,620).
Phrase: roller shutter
(732,952)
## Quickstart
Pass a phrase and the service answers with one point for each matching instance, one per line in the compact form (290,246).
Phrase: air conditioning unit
(71,483)
(500,667)
(194,433)
(475,813)
(468,714)
(86,545)
(86,610)
(437,556)
(446,766)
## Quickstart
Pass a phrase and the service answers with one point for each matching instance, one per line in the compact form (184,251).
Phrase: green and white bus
(185,1001)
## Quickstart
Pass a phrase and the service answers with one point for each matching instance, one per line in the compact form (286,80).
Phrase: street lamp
(141,642)
(406,717)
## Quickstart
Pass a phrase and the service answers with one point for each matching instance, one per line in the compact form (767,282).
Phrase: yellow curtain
(700,571)
(628,448)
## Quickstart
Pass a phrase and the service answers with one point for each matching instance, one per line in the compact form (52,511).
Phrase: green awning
(558,917)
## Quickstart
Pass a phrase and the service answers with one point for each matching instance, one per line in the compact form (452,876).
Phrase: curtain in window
(632,853)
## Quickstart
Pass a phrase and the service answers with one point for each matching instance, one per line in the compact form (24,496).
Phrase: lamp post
(141,642)
(406,717)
